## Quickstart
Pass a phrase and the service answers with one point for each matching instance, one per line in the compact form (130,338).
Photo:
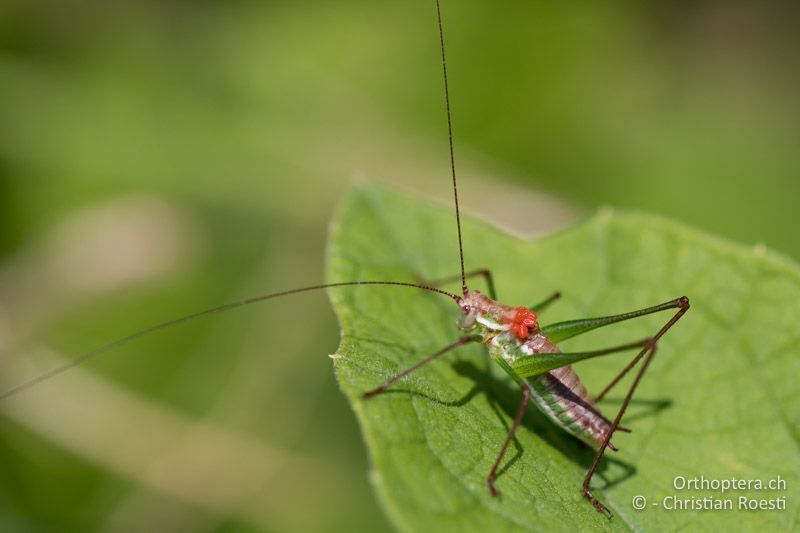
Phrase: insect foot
(596,503)
(492,490)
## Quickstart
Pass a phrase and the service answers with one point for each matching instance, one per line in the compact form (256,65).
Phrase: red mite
(523,320)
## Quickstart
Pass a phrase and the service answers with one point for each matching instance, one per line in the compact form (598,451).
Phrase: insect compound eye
(465,309)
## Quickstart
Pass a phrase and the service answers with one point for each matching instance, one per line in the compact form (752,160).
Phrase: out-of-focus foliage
(158,157)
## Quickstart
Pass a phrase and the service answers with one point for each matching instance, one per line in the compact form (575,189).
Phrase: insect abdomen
(560,395)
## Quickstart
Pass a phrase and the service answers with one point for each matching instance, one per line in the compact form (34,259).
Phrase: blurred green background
(157,158)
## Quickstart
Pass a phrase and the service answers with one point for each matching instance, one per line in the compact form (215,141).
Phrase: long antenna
(450,137)
(200,314)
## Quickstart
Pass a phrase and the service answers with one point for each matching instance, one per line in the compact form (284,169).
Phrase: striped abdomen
(560,395)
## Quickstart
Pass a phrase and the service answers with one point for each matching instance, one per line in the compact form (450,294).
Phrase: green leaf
(720,399)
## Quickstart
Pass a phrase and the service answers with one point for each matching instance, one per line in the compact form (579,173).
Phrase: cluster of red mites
(523,320)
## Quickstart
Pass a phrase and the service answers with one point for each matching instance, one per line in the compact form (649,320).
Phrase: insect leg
(388,383)
(485,273)
(564,330)
(545,303)
(649,350)
(618,377)
(523,406)
(534,365)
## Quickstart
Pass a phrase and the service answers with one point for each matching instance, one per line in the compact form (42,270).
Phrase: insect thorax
(493,321)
